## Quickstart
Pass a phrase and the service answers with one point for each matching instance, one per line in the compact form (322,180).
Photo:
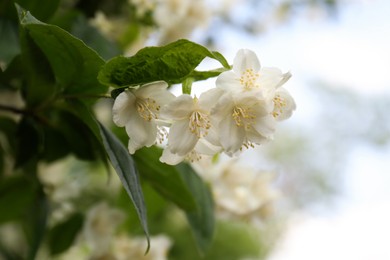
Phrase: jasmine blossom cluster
(240,112)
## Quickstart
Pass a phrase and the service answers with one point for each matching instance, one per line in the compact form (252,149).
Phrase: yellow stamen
(199,123)
(279,104)
(249,79)
(243,117)
(147,108)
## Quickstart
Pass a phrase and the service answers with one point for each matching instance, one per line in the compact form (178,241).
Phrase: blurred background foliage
(66,207)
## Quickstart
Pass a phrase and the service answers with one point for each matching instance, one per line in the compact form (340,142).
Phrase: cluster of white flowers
(240,112)
(100,240)
(248,196)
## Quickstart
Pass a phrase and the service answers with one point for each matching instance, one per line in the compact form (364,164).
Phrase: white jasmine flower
(191,121)
(99,227)
(202,147)
(184,17)
(240,191)
(284,104)
(248,75)
(241,120)
(139,111)
(125,247)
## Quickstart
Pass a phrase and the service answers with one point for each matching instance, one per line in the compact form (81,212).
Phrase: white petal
(290,106)
(229,81)
(209,98)
(141,132)
(157,91)
(123,108)
(265,126)
(246,59)
(231,136)
(205,147)
(179,108)
(222,108)
(181,140)
(170,158)
(270,78)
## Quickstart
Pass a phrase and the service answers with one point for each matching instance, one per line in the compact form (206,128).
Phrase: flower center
(243,116)
(248,79)
(279,104)
(147,108)
(199,123)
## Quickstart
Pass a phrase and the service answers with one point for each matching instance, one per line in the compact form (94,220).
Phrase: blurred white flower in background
(184,17)
(100,226)
(125,247)
(240,191)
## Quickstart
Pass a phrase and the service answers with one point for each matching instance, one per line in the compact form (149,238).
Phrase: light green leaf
(202,221)
(126,169)
(171,63)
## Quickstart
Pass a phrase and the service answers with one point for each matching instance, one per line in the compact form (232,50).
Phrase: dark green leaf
(40,85)
(16,194)
(202,221)
(9,40)
(74,64)
(29,141)
(41,9)
(62,236)
(164,178)
(171,63)
(125,167)
(93,38)
(36,223)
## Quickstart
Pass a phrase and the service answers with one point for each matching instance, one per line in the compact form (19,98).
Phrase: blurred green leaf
(171,63)
(126,169)
(74,64)
(164,178)
(62,236)
(41,9)
(9,40)
(29,141)
(40,85)
(36,222)
(202,221)
(93,38)
(16,194)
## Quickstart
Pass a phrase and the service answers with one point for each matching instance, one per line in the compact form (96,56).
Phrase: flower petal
(209,98)
(181,140)
(229,81)
(179,108)
(265,126)
(123,108)
(245,59)
(231,136)
(171,158)
(141,132)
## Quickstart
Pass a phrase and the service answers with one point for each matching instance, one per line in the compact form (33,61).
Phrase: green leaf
(73,63)
(126,169)
(16,194)
(40,87)
(42,9)
(9,40)
(202,221)
(28,141)
(62,236)
(171,63)
(93,38)
(164,178)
